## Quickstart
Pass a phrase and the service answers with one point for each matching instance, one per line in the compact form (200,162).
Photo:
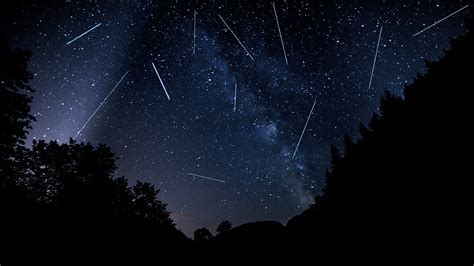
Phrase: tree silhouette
(71,185)
(14,100)
(63,195)
(147,206)
(406,172)
(224,226)
(15,120)
(202,234)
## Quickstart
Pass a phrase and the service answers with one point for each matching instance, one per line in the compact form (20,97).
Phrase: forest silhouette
(400,185)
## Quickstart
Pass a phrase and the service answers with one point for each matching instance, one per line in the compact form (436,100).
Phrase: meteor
(375,57)
(236,38)
(279,31)
(163,85)
(235,97)
(100,105)
(194,39)
(304,129)
(206,177)
(91,29)
(441,20)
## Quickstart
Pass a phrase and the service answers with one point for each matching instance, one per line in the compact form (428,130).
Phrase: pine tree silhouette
(402,180)
(15,121)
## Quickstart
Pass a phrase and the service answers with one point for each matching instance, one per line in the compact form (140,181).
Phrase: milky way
(244,136)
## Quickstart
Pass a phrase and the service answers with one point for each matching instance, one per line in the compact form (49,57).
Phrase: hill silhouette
(255,233)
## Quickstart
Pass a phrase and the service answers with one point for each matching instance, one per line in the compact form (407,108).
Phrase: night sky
(330,46)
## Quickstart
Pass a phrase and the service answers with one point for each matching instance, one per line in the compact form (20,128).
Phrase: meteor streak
(304,129)
(279,31)
(206,177)
(100,105)
(375,57)
(73,40)
(163,85)
(236,38)
(194,40)
(235,97)
(440,20)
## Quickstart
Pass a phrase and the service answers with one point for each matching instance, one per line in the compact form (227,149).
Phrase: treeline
(403,182)
(65,194)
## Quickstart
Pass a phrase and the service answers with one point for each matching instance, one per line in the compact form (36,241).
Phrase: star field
(330,46)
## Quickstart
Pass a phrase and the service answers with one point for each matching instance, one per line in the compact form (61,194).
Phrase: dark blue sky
(330,47)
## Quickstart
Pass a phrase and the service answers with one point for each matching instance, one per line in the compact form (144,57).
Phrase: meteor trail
(236,38)
(235,97)
(194,40)
(304,129)
(375,57)
(163,85)
(83,34)
(206,177)
(440,20)
(279,31)
(100,105)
